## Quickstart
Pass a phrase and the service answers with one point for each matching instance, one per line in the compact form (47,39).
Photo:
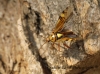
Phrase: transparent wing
(63,17)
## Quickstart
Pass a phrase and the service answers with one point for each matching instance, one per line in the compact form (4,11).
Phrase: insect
(58,33)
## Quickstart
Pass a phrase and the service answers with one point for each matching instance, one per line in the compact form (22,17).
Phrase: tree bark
(25,26)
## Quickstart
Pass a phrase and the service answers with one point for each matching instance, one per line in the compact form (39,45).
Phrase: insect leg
(66,45)
(59,46)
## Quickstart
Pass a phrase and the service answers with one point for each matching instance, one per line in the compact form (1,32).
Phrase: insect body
(58,34)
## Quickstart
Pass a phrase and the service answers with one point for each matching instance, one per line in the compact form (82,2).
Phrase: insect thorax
(54,37)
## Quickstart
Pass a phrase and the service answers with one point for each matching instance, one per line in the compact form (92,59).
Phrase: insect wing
(69,34)
(63,17)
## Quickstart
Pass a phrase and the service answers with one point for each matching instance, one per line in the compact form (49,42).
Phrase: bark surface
(25,25)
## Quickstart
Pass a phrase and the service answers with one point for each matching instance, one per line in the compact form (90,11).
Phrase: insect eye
(53,38)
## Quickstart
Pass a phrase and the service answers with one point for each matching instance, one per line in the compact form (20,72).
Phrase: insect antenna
(43,44)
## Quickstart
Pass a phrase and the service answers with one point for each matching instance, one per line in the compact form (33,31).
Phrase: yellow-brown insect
(58,34)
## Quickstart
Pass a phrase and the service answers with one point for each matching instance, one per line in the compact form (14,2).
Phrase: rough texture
(25,25)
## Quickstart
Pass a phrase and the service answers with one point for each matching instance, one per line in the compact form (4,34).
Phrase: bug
(58,33)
